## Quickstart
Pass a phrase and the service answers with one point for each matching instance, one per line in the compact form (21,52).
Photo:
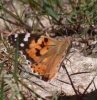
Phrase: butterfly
(43,53)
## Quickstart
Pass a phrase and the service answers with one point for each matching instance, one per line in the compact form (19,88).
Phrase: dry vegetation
(76,80)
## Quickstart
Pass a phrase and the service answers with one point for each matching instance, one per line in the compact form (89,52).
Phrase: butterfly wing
(44,53)
(56,56)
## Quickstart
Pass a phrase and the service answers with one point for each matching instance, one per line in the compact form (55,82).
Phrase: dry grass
(53,18)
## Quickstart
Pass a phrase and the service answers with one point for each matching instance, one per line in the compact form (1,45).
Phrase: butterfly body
(44,53)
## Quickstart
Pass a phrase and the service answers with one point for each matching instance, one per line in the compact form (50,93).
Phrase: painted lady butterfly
(43,53)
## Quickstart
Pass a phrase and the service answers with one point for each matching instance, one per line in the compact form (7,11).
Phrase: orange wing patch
(43,52)
(38,68)
(37,49)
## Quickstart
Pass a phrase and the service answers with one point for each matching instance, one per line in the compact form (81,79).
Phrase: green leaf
(49,9)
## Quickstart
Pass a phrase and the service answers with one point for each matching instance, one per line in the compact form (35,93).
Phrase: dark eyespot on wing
(36,64)
(34,71)
(38,67)
(45,39)
(38,52)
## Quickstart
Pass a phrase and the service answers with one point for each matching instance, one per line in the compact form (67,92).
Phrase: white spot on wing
(21,52)
(26,39)
(16,35)
(22,44)
(27,36)
(28,62)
